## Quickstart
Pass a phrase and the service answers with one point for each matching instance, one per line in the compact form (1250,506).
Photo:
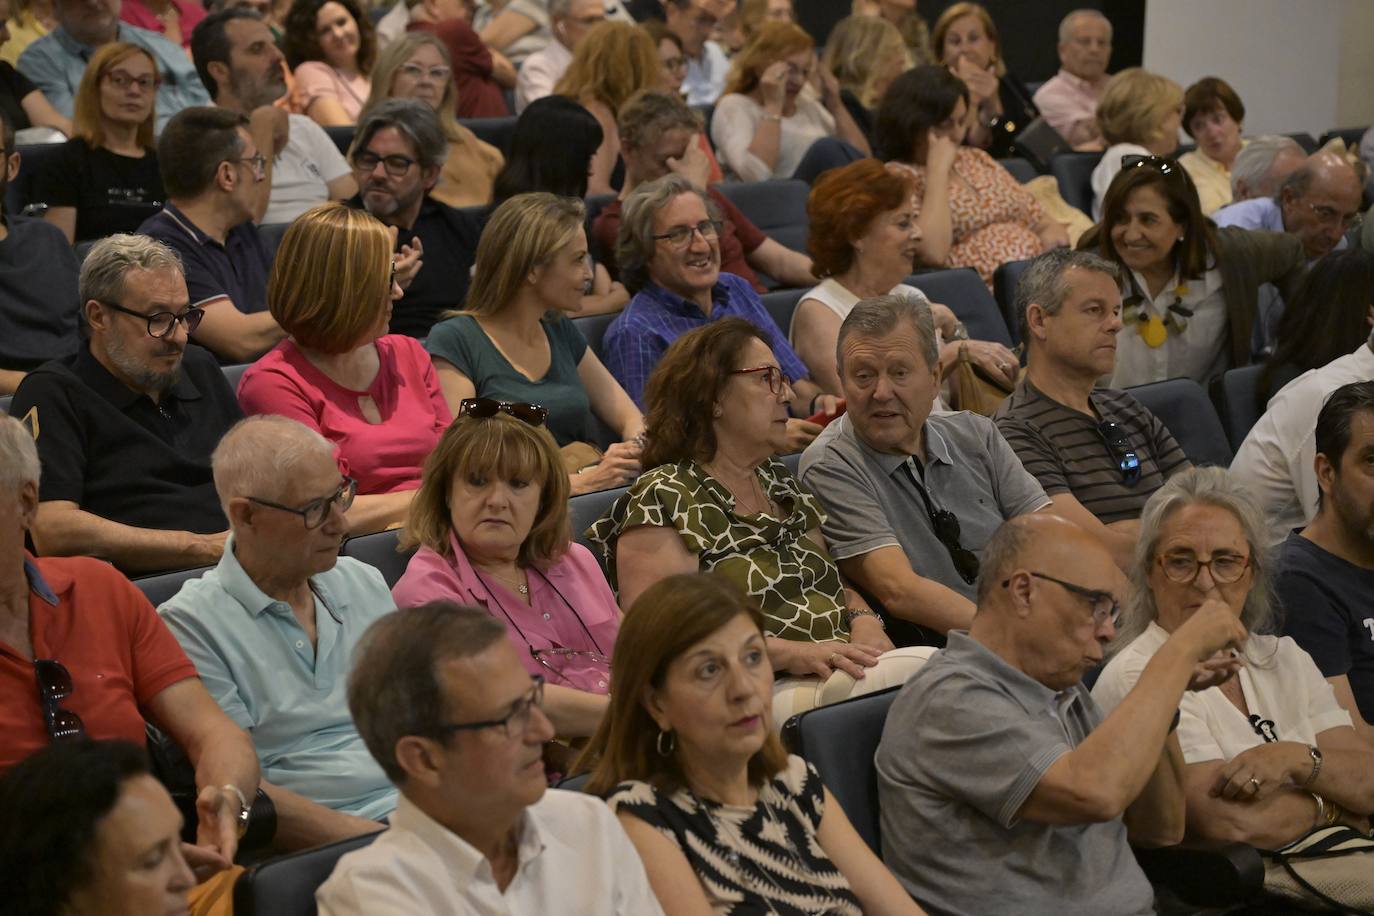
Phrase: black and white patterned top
(763,859)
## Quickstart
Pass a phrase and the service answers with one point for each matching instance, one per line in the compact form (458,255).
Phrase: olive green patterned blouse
(795,582)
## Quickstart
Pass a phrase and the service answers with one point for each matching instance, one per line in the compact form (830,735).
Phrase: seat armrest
(1205,873)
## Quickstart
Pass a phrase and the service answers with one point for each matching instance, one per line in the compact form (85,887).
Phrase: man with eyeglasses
(911,497)
(996,747)
(693,21)
(126,426)
(450,713)
(272,628)
(1317,204)
(1098,452)
(217,180)
(541,71)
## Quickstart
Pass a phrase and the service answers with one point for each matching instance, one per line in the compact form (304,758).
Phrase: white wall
(1299,65)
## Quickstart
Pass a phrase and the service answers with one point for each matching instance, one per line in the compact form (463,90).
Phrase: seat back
(342,136)
(1021,169)
(777,207)
(1305,141)
(1185,410)
(585,509)
(964,292)
(1239,401)
(163,586)
(271,234)
(499,132)
(286,886)
(379,551)
(593,328)
(5,400)
(1074,172)
(781,306)
(233,374)
(1004,282)
(1351,136)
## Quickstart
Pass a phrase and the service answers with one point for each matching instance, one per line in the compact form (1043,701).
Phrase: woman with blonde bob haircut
(865,54)
(373,394)
(491,524)
(1139,115)
(514,340)
(723,818)
(105,180)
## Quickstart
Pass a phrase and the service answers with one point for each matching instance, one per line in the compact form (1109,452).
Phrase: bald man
(1317,203)
(996,747)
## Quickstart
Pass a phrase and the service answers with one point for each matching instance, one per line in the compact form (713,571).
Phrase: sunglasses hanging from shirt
(1123,451)
(946,526)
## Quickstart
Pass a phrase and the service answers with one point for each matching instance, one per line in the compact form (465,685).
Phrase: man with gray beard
(125,427)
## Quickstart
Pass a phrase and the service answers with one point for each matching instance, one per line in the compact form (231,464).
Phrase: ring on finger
(1255,783)
(830,659)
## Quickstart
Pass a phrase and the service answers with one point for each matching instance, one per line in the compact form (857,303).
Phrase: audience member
(38,307)
(57,61)
(105,179)
(864,54)
(670,55)
(125,427)
(174,20)
(479,73)
(965,40)
(371,393)
(417,66)
(22,104)
(616,60)
(1249,778)
(1139,115)
(659,135)
(541,71)
(514,342)
(750,15)
(217,178)
(903,15)
(26,22)
(115,848)
(724,818)
(1031,788)
(1098,452)
(445,705)
(863,239)
(1315,204)
(519,28)
(764,125)
(330,47)
(397,155)
(241,66)
(1214,116)
(716,498)
(669,255)
(971,211)
(271,629)
(1068,100)
(1189,289)
(892,475)
(491,525)
(1262,165)
(692,21)
(83,655)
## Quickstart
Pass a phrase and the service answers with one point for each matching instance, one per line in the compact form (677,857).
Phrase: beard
(1356,519)
(255,92)
(148,380)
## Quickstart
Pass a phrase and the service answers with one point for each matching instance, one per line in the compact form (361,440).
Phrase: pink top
(315,79)
(1067,101)
(383,457)
(190,12)
(570,607)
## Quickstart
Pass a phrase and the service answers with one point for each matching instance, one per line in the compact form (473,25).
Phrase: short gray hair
(881,315)
(1066,24)
(1045,281)
(111,258)
(18,455)
(259,457)
(415,120)
(394,690)
(1209,486)
(1253,163)
(635,244)
(1003,549)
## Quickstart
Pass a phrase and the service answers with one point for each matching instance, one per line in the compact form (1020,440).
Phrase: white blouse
(835,296)
(1201,352)
(736,120)
(1106,170)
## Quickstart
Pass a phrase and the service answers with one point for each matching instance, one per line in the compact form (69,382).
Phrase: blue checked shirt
(656,317)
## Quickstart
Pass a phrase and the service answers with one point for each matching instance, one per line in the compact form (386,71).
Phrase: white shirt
(736,120)
(540,72)
(836,297)
(393,25)
(1106,170)
(574,857)
(301,174)
(1200,352)
(1274,463)
(705,79)
(1280,683)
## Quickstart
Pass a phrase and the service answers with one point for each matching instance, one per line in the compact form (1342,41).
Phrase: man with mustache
(126,426)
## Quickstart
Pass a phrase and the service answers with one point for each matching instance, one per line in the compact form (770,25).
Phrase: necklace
(1153,329)
(521,583)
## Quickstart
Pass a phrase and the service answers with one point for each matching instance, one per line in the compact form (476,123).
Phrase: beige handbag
(974,390)
(1330,868)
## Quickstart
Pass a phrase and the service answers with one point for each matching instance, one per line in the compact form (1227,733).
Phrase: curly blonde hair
(614,61)
(1134,106)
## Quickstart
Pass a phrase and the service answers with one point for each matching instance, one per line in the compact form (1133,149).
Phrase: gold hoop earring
(672,743)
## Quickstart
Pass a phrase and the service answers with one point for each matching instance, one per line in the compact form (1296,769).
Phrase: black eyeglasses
(1119,444)
(513,723)
(777,382)
(315,512)
(486,408)
(1104,605)
(396,165)
(54,686)
(160,324)
(681,236)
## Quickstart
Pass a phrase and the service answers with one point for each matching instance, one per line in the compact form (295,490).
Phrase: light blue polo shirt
(258,664)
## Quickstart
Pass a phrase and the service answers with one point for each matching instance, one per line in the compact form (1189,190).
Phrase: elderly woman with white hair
(1270,754)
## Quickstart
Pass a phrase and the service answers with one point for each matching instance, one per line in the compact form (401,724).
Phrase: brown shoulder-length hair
(88,121)
(685,387)
(774,41)
(959,11)
(669,618)
(301,43)
(501,447)
(1191,255)
(842,206)
(613,62)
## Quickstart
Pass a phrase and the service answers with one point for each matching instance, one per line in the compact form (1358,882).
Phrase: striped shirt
(1066,451)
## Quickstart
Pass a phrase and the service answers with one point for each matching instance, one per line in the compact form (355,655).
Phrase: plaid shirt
(655,317)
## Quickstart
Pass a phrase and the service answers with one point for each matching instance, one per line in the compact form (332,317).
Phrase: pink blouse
(383,457)
(315,80)
(570,607)
(136,13)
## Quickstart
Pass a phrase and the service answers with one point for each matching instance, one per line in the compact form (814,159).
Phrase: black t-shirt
(13,87)
(116,454)
(111,193)
(1328,612)
(38,294)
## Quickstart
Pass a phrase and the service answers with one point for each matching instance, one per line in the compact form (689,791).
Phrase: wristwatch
(241,820)
(1316,764)
(854,613)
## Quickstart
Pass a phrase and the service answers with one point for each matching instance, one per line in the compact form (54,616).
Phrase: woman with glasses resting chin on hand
(491,524)
(1270,754)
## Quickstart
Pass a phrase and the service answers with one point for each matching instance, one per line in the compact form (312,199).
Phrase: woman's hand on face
(981,81)
(994,359)
(867,632)
(800,433)
(773,86)
(940,152)
(1271,766)
(824,658)
(828,86)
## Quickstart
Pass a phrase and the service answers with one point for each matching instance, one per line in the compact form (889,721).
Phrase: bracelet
(1321,810)
(1316,765)
(773,117)
(241,822)
(854,613)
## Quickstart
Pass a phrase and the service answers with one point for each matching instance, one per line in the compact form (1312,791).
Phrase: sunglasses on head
(486,408)
(1161,164)
(54,686)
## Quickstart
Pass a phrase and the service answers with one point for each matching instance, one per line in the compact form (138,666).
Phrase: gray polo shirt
(966,742)
(872,501)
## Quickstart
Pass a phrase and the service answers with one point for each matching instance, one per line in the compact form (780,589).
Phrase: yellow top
(1213,179)
(25,29)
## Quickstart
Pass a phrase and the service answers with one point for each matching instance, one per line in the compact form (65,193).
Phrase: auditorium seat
(966,294)
(1021,169)
(777,207)
(499,132)
(1238,399)
(342,137)
(161,587)
(1004,282)
(593,328)
(233,373)
(585,509)
(285,886)
(782,305)
(1305,141)
(379,551)
(5,403)
(1188,414)
(1074,172)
